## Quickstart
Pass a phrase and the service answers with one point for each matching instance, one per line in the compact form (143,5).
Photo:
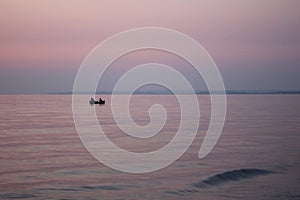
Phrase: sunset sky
(255,44)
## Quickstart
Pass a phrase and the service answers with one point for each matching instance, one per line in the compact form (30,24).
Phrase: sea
(256,157)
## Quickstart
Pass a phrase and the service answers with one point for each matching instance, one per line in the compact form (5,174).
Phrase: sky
(255,44)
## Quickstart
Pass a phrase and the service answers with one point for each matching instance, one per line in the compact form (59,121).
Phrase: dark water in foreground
(256,157)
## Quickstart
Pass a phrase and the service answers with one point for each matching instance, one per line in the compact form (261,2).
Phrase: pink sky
(260,38)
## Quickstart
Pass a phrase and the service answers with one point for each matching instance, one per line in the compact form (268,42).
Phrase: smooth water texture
(256,157)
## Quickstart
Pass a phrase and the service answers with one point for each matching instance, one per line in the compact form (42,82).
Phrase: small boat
(101,101)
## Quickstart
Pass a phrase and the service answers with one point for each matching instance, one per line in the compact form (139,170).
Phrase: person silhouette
(92,101)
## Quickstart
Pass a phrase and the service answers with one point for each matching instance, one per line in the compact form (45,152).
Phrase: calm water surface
(256,157)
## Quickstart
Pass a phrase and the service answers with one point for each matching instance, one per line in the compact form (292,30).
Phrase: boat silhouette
(101,101)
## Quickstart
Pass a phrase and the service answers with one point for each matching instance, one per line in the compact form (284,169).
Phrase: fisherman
(92,100)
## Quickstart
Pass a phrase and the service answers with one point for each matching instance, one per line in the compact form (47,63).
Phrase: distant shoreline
(229,92)
(199,92)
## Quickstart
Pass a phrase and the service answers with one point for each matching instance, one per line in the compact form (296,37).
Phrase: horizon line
(167,92)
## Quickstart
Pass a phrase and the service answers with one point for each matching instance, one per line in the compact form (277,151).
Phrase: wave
(234,175)
(102,187)
(17,196)
(222,178)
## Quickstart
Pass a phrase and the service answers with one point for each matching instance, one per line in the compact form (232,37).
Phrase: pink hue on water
(257,156)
